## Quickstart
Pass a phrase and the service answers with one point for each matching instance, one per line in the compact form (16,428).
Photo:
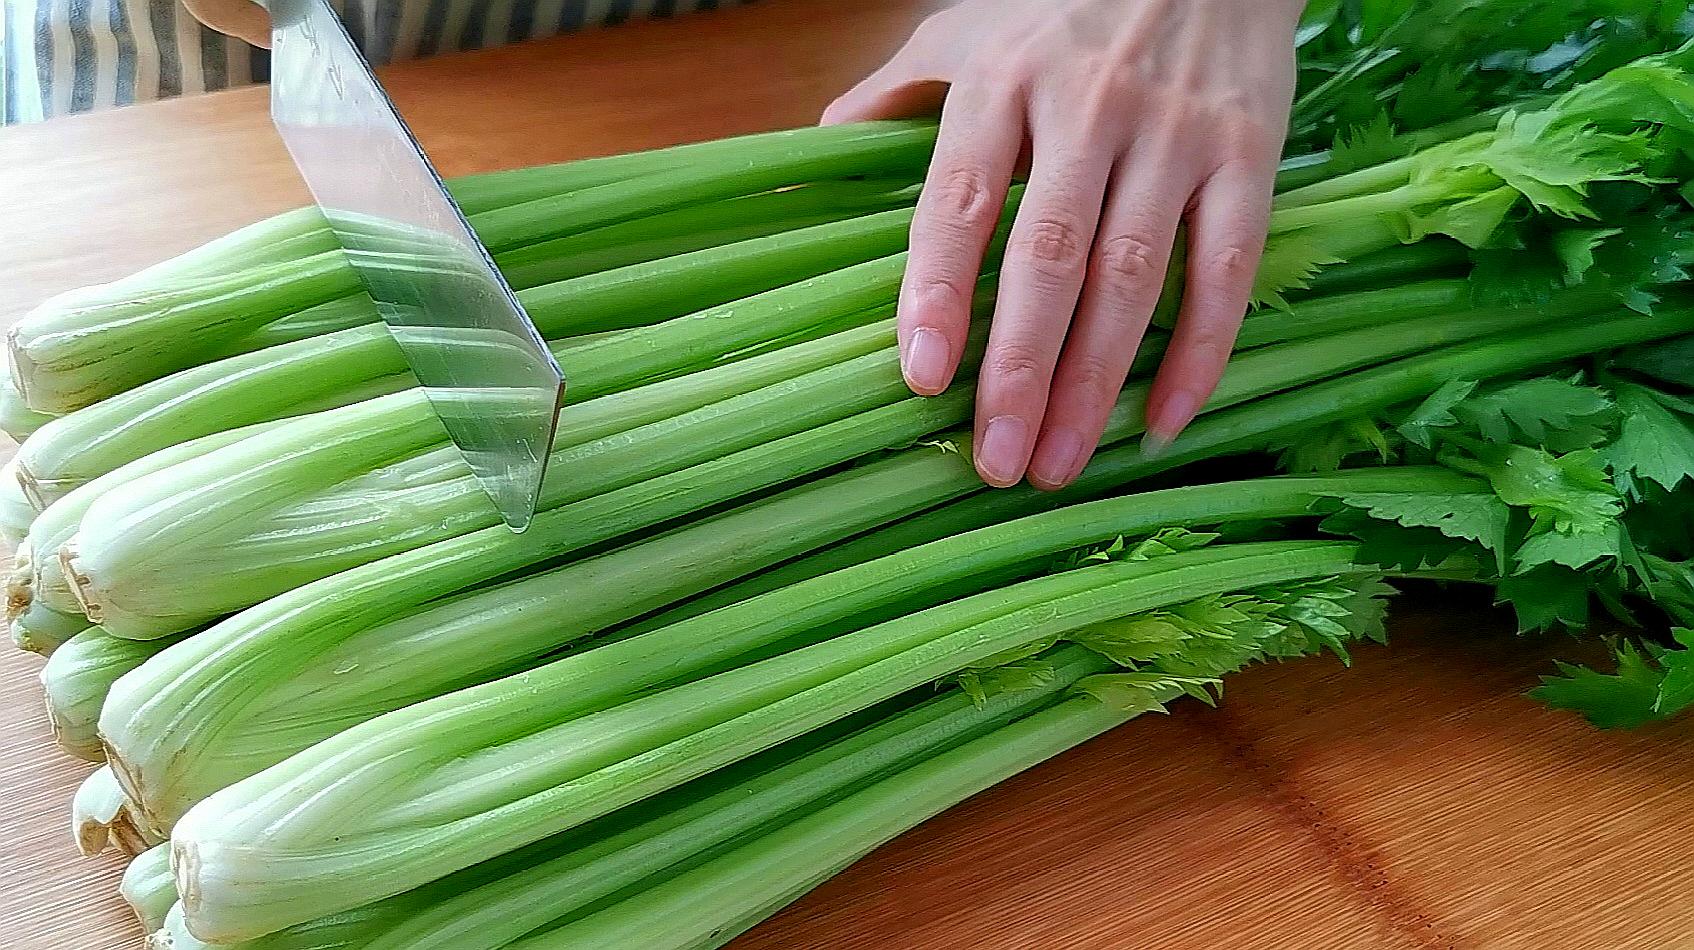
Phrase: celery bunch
(767,617)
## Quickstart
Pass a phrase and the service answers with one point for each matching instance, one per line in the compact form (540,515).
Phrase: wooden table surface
(1415,801)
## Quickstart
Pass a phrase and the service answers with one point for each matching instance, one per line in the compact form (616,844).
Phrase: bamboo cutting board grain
(1416,801)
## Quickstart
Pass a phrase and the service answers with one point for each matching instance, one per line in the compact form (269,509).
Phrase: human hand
(1136,115)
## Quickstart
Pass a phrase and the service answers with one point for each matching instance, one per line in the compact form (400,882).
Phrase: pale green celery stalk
(318,615)
(1302,170)
(162,713)
(351,365)
(289,537)
(487,906)
(491,632)
(278,239)
(460,640)
(147,887)
(709,905)
(495,189)
(289,463)
(76,679)
(872,149)
(642,295)
(1251,427)
(17,419)
(16,511)
(38,573)
(408,798)
(621,245)
(698,227)
(119,588)
(303,232)
(102,817)
(68,354)
(39,628)
(297,378)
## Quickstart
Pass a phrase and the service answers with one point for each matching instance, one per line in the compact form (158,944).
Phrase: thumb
(886,97)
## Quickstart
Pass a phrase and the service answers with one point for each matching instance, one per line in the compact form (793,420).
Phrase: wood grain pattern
(1414,802)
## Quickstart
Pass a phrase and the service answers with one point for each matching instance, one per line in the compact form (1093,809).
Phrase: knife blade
(477,355)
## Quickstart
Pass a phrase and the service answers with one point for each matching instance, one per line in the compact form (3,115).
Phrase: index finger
(957,211)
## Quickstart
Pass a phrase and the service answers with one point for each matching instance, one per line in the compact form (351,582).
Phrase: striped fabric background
(64,56)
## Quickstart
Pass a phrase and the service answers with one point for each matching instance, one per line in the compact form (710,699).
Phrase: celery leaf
(1400,547)
(1546,597)
(1655,442)
(1566,493)
(1575,549)
(1676,690)
(1473,516)
(1328,448)
(1142,692)
(1556,414)
(1625,699)
(1436,412)
(1016,677)
(1291,259)
(1365,145)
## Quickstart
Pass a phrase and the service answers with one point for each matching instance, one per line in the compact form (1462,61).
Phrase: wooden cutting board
(1416,801)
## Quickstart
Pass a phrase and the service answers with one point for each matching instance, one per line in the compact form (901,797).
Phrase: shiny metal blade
(486,370)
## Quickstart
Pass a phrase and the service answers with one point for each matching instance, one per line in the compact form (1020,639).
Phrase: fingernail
(1004,451)
(1153,446)
(1058,460)
(929,362)
(1167,420)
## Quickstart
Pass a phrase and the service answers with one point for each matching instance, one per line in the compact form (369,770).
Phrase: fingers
(1040,279)
(1227,226)
(963,195)
(1126,272)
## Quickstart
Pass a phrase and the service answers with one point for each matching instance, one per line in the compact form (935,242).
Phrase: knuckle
(1016,363)
(1211,345)
(1017,59)
(961,192)
(1233,265)
(944,293)
(1244,132)
(1130,259)
(1052,246)
(1094,378)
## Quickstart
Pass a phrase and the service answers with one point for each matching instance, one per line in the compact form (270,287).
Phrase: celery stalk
(455,812)
(75,681)
(1249,427)
(38,628)
(345,604)
(76,350)
(479,636)
(487,906)
(409,499)
(266,508)
(41,579)
(147,887)
(102,817)
(16,511)
(620,245)
(357,363)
